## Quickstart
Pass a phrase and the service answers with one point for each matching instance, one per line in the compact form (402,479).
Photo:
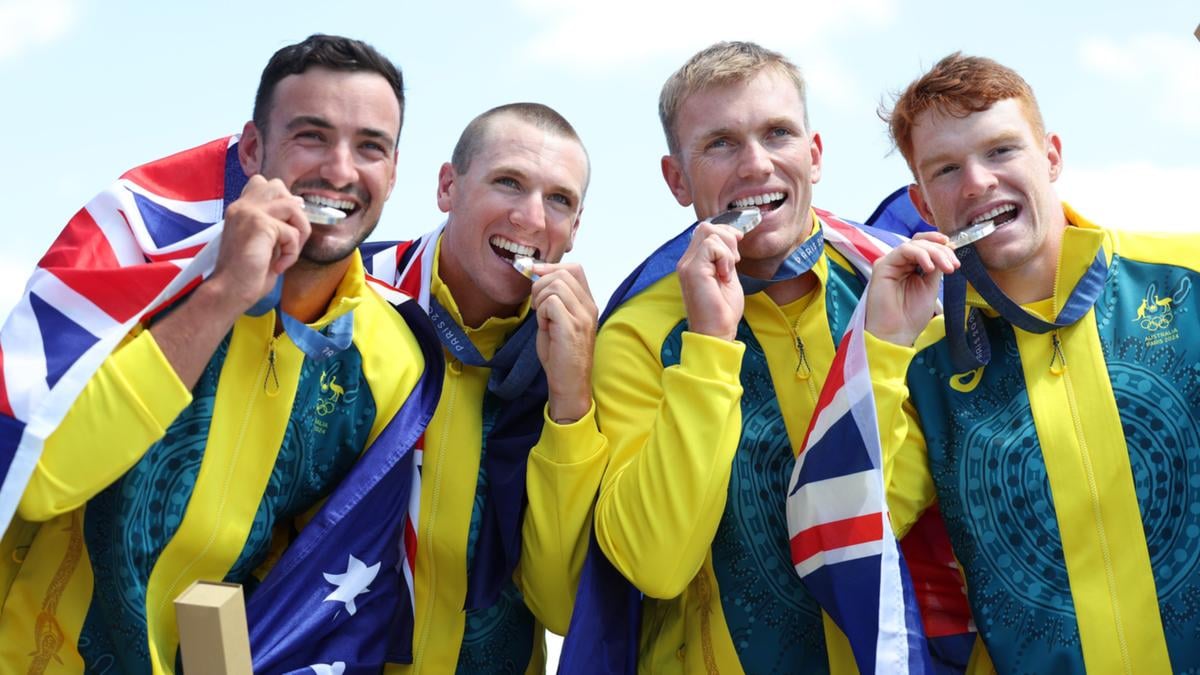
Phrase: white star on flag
(351,583)
(336,668)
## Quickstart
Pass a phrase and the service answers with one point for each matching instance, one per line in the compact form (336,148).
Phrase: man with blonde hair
(1053,411)
(707,377)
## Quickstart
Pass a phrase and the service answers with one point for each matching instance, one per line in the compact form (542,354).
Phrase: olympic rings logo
(1156,323)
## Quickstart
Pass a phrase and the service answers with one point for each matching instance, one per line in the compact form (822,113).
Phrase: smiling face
(992,165)
(331,138)
(742,144)
(522,193)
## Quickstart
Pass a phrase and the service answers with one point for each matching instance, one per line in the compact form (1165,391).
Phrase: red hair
(958,86)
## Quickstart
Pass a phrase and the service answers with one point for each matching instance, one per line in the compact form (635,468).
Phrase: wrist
(564,412)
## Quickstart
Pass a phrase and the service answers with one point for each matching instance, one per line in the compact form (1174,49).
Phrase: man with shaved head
(512,456)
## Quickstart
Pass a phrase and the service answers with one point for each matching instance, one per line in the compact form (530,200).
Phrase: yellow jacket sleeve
(673,435)
(562,478)
(126,406)
(906,474)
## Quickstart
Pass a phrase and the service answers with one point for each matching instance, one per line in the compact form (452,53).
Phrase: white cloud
(1134,195)
(27,23)
(590,35)
(1166,66)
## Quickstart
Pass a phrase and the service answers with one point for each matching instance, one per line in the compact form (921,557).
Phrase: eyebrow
(322,123)
(1006,136)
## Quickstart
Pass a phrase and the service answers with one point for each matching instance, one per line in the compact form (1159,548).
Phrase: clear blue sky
(93,88)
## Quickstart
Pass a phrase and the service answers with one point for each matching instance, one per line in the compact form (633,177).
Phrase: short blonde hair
(719,64)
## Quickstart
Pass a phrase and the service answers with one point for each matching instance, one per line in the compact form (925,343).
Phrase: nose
(754,161)
(978,180)
(338,167)
(528,213)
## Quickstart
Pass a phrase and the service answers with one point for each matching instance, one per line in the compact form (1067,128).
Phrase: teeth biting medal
(972,234)
(742,218)
(982,228)
(524,264)
(323,215)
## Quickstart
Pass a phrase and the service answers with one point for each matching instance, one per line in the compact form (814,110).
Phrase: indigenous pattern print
(991,476)
(128,525)
(774,622)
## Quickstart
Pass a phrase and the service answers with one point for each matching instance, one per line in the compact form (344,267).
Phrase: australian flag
(336,602)
(841,537)
(842,542)
(131,251)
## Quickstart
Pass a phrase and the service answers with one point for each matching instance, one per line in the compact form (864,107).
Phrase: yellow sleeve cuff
(712,358)
(889,361)
(571,443)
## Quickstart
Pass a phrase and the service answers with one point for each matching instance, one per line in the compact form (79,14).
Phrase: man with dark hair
(512,457)
(201,443)
(1053,410)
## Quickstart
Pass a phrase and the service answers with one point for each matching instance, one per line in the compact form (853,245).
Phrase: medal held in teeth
(524,264)
(743,218)
(982,228)
(323,215)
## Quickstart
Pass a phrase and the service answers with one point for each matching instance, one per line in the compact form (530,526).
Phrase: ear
(918,200)
(574,230)
(1054,155)
(250,149)
(677,181)
(815,148)
(446,188)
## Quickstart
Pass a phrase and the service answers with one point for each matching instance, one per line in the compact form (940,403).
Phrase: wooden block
(213,635)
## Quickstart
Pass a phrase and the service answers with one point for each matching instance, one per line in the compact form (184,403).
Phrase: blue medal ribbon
(518,381)
(514,366)
(796,263)
(316,345)
(969,348)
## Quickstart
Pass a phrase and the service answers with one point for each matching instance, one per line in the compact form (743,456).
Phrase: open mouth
(508,249)
(317,203)
(765,202)
(998,216)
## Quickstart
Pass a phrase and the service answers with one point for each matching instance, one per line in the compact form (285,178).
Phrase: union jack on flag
(408,266)
(128,253)
(842,542)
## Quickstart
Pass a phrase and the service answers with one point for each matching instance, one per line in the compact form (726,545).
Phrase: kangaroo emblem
(1156,313)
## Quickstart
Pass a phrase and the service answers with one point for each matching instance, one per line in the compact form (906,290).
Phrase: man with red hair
(1054,410)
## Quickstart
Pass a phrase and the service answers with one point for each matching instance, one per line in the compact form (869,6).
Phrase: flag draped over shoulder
(340,597)
(128,253)
(604,629)
(132,251)
(842,543)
